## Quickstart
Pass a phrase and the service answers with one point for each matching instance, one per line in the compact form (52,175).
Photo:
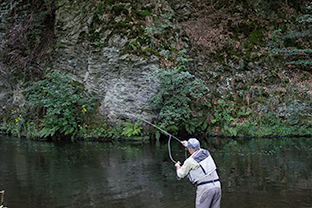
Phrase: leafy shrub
(177,90)
(114,132)
(61,103)
(132,129)
(104,131)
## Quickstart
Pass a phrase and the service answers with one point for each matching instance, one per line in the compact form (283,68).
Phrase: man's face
(190,150)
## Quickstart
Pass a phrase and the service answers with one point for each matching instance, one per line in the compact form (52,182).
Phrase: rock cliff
(113,46)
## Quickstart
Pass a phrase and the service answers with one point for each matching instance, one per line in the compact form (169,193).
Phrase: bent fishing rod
(170,135)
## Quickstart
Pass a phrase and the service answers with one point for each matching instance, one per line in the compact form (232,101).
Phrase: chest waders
(206,165)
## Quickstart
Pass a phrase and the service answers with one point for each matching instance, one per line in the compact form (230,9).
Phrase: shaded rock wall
(120,81)
(6,92)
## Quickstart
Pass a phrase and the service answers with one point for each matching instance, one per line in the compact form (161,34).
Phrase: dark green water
(256,173)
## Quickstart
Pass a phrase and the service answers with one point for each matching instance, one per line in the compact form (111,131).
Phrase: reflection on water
(256,173)
(268,173)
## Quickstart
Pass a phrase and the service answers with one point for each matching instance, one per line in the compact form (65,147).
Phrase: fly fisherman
(201,171)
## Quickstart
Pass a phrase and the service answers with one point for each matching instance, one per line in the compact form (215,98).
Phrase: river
(255,173)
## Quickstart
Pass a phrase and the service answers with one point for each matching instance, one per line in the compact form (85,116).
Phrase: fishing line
(170,135)
(156,127)
(169,149)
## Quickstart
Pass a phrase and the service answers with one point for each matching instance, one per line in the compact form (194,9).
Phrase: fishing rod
(170,135)
(2,194)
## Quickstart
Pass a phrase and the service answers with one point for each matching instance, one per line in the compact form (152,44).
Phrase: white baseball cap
(192,143)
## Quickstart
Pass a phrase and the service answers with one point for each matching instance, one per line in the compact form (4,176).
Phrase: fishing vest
(206,165)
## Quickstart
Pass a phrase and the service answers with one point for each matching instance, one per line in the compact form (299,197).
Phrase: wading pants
(208,195)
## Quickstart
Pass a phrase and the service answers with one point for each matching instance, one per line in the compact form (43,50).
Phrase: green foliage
(109,2)
(118,9)
(83,130)
(294,109)
(169,128)
(223,116)
(132,129)
(183,60)
(114,132)
(62,103)
(110,131)
(105,131)
(160,26)
(194,124)
(276,39)
(143,13)
(269,124)
(98,132)
(296,46)
(256,37)
(177,90)
(18,121)
(16,124)
(157,135)
(133,45)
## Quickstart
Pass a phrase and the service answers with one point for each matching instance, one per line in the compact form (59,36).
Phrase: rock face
(120,81)
(5,88)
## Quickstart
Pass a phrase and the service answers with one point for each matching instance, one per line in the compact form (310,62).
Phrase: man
(201,171)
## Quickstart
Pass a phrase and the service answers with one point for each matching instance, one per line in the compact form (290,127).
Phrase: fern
(296,45)
(132,130)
